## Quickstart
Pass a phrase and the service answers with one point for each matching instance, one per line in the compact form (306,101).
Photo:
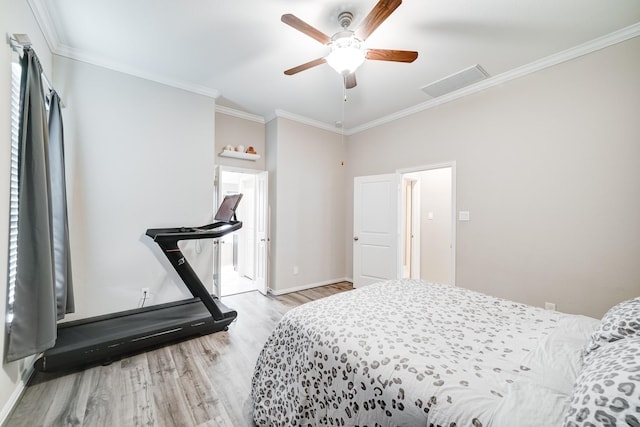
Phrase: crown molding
(549,61)
(239,114)
(45,22)
(307,121)
(77,55)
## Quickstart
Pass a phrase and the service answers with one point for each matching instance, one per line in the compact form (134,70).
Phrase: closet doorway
(240,258)
(428,223)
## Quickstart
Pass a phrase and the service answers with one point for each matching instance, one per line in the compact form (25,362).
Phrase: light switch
(464,216)
(430,215)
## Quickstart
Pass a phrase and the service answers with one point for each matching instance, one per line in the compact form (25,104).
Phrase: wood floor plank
(202,382)
(30,411)
(103,403)
(136,400)
(68,405)
(202,388)
(65,397)
(202,395)
(228,373)
(170,405)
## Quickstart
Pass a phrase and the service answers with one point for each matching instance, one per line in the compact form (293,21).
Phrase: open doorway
(240,257)
(428,224)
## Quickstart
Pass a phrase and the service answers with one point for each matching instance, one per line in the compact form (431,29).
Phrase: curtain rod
(20,42)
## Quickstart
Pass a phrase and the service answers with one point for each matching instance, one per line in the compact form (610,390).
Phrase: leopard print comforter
(410,353)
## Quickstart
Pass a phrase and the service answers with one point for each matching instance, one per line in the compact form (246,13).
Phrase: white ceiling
(237,50)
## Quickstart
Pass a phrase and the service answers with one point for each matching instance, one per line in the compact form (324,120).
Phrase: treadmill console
(227,210)
(226,222)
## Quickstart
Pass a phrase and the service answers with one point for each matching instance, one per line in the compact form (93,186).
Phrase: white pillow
(622,320)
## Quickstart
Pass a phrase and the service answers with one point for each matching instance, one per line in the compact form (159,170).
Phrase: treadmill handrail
(209,231)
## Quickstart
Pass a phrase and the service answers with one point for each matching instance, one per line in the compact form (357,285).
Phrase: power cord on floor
(143,299)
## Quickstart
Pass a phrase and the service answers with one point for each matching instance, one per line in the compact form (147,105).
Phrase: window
(16,71)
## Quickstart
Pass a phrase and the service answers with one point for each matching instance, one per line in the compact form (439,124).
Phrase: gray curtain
(60,223)
(35,307)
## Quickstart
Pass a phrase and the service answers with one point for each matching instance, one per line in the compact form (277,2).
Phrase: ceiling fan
(347,50)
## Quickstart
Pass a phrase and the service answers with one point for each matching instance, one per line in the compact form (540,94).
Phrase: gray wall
(547,165)
(231,130)
(307,198)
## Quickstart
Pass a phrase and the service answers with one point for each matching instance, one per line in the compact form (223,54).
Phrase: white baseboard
(308,286)
(17,392)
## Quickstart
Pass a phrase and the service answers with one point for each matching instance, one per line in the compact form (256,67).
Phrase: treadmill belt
(136,324)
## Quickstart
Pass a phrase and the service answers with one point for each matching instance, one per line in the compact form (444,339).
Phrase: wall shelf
(239,155)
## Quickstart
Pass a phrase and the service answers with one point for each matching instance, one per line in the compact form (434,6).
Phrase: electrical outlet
(464,216)
(145,292)
(550,306)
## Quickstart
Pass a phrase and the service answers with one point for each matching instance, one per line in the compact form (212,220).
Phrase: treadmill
(103,339)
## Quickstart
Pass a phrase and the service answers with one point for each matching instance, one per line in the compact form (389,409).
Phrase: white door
(262,232)
(247,234)
(407,226)
(376,229)
(217,249)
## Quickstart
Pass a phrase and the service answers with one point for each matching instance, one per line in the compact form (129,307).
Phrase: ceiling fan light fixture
(346,53)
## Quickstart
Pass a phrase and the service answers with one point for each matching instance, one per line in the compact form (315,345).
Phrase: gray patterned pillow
(622,320)
(607,391)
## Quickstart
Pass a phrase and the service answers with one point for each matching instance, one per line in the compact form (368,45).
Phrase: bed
(410,353)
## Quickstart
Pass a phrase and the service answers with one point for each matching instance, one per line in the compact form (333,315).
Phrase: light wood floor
(201,382)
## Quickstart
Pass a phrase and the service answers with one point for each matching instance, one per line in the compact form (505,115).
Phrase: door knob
(355,238)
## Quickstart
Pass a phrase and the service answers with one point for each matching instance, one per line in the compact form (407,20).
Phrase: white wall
(139,155)
(15,17)
(547,165)
(308,222)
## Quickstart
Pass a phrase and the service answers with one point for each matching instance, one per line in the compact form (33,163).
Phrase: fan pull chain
(345,99)
(344,92)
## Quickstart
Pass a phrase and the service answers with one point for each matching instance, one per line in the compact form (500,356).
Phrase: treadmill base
(104,339)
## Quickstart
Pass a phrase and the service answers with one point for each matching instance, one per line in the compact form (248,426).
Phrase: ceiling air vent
(456,81)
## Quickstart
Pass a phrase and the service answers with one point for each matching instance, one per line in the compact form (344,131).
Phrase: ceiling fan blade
(350,80)
(391,55)
(378,14)
(305,66)
(303,27)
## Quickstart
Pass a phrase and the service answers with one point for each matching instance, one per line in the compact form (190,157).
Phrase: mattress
(411,353)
